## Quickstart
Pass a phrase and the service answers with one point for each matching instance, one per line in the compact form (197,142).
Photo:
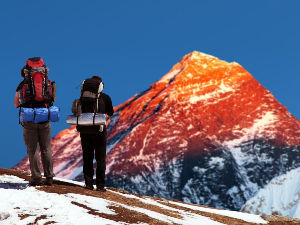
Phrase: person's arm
(16,100)
(109,107)
(17,95)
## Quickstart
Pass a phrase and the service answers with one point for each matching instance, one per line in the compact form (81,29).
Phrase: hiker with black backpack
(88,113)
(35,96)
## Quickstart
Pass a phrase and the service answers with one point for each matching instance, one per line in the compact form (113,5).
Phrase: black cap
(97,78)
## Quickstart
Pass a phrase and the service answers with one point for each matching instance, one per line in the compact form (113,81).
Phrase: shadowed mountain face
(207,132)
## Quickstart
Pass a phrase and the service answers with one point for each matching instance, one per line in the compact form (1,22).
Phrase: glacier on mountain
(281,196)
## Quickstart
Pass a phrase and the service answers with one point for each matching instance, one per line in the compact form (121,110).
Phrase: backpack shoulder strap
(46,90)
(81,91)
(98,96)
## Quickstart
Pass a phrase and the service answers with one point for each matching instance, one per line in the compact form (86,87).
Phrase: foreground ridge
(112,207)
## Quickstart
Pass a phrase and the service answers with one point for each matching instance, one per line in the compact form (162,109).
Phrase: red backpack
(37,90)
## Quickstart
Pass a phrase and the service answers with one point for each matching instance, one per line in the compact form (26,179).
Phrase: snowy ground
(20,204)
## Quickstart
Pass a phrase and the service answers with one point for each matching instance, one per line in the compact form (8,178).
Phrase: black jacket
(104,106)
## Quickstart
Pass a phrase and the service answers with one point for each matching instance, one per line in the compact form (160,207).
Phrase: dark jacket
(104,106)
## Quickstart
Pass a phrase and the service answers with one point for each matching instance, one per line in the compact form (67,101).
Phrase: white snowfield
(281,196)
(16,199)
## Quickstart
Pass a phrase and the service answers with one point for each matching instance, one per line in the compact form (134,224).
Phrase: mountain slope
(266,201)
(207,133)
(68,203)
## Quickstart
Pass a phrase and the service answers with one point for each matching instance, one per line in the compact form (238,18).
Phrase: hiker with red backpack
(35,96)
(89,114)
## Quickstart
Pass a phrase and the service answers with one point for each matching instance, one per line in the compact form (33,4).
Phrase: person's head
(97,78)
(101,82)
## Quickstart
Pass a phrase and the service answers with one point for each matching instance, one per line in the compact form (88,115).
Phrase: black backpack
(89,98)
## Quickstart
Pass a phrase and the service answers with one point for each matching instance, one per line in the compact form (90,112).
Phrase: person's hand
(16,100)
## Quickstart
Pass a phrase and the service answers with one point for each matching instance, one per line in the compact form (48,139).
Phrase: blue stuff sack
(26,114)
(38,115)
(41,115)
(54,113)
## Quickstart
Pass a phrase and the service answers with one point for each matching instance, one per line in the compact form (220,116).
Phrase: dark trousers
(35,134)
(94,145)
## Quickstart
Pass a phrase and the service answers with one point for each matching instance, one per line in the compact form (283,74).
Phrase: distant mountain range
(206,133)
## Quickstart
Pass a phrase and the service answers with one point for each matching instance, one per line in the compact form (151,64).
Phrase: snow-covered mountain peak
(197,67)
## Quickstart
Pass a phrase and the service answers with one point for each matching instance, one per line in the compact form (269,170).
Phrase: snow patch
(189,75)
(233,214)
(166,139)
(200,56)
(40,207)
(188,218)
(169,76)
(199,170)
(233,190)
(190,127)
(216,161)
(183,144)
(257,129)
(55,207)
(222,88)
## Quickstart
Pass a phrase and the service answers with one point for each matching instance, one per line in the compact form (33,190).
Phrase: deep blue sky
(131,44)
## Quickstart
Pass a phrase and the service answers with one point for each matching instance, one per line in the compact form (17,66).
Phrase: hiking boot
(101,188)
(34,183)
(89,186)
(89,183)
(49,181)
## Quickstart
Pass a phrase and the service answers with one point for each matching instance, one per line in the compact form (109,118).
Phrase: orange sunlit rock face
(201,104)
